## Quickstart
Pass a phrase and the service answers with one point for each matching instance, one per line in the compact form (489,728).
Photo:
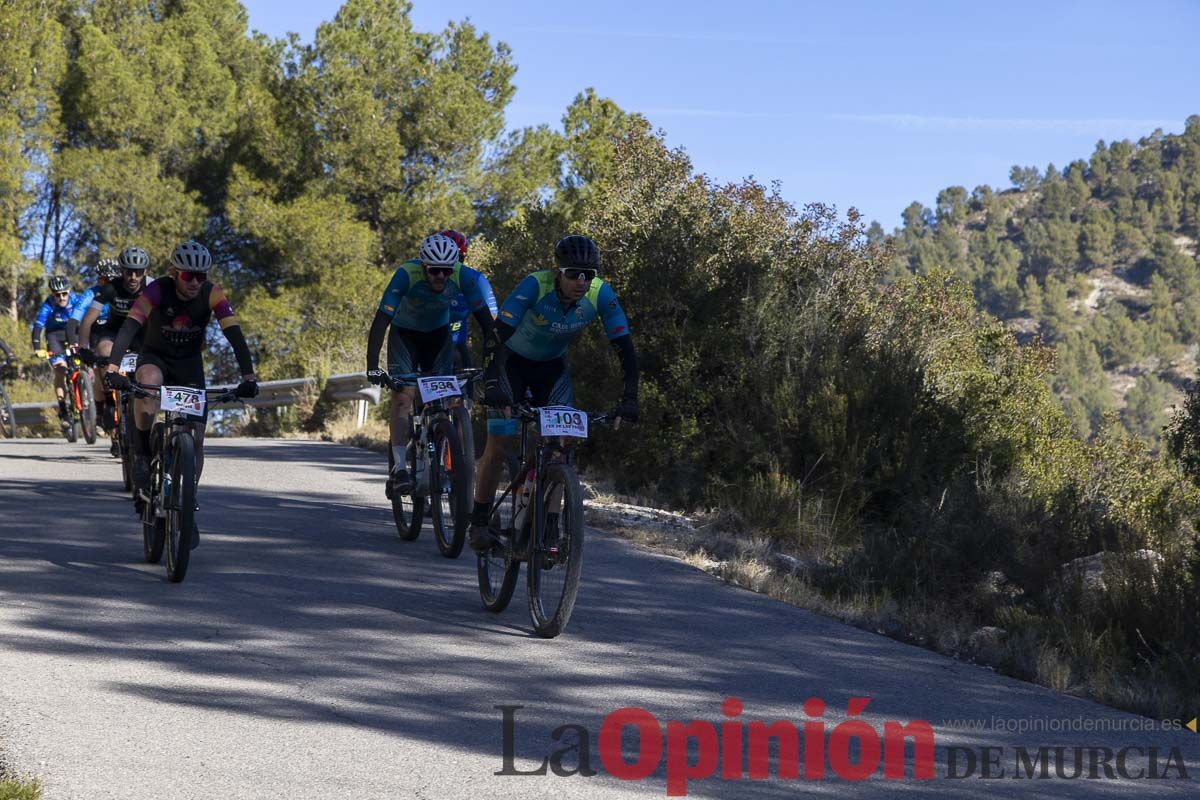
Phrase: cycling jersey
(85,302)
(119,302)
(53,317)
(459,311)
(545,325)
(411,303)
(174,327)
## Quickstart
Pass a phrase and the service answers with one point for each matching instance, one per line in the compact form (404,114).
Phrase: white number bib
(129,363)
(438,387)
(563,421)
(183,399)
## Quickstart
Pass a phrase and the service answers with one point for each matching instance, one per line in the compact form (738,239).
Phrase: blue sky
(871,105)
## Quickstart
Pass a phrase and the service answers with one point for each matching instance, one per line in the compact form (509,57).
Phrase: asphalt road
(312,654)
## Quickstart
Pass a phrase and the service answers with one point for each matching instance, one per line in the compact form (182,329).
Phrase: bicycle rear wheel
(557,560)
(453,478)
(8,418)
(181,507)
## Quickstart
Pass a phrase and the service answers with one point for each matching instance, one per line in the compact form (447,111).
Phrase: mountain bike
(8,417)
(539,521)
(168,511)
(122,422)
(81,406)
(440,458)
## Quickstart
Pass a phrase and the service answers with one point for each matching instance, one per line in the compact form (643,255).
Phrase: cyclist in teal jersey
(537,322)
(414,314)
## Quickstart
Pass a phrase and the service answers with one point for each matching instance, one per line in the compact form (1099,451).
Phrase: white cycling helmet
(191,256)
(438,251)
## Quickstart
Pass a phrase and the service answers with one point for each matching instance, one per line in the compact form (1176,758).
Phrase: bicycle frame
(541,453)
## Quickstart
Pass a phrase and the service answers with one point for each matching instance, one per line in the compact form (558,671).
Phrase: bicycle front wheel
(452,486)
(181,506)
(87,408)
(408,510)
(122,434)
(557,559)
(8,418)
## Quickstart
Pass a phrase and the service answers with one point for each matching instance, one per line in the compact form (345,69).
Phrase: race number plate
(183,399)
(563,421)
(129,363)
(437,387)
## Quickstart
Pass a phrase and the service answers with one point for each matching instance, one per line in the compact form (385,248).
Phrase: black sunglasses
(440,272)
(573,274)
(62,294)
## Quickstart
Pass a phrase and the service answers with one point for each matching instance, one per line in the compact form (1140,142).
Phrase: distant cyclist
(110,308)
(106,271)
(537,322)
(460,332)
(53,317)
(414,315)
(173,312)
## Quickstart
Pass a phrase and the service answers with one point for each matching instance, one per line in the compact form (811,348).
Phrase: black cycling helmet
(578,252)
(59,283)
(134,258)
(108,268)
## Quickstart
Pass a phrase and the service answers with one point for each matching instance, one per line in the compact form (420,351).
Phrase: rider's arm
(232,330)
(150,297)
(73,327)
(396,289)
(93,312)
(39,324)
(616,327)
(480,299)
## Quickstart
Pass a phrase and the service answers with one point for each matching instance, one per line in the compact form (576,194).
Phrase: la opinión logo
(736,749)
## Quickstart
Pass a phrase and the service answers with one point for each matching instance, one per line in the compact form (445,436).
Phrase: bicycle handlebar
(117,381)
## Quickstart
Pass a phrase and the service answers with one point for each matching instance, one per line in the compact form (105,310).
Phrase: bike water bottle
(524,493)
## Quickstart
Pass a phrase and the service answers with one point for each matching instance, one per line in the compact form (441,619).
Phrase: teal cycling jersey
(411,302)
(545,325)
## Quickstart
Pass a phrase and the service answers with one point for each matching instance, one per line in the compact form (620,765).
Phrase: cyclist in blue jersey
(537,322)
(414,315)
(53,317)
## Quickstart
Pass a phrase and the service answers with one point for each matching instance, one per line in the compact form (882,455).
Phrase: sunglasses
(576,274)
(137,273)
(188,275)
(440,272)
(62,294)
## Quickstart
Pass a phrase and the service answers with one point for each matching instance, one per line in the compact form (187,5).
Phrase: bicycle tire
(461,418)
(181,507)
(545,569)
(8,417)
(122,433)
(154,536)
(408,510)
(87,408)
(451,489)
(498,570)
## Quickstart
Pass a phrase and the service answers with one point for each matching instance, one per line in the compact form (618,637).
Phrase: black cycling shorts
(178,371)
(426,352)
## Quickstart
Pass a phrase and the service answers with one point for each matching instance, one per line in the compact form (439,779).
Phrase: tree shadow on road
(314,602)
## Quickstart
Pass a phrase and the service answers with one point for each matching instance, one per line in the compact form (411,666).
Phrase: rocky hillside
(1099,259)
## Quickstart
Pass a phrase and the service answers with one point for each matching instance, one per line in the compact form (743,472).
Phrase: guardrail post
(361,408)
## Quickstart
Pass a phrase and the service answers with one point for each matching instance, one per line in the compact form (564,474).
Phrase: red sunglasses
(187,275)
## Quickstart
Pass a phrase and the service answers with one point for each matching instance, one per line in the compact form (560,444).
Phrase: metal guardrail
(29,414)
(271,394)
